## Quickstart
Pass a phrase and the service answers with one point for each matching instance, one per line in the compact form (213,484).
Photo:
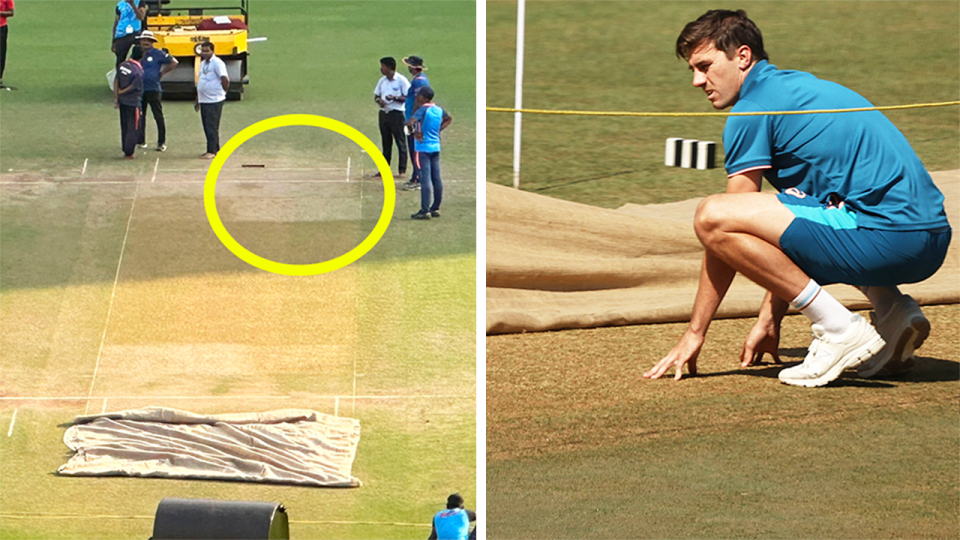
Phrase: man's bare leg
(743,231)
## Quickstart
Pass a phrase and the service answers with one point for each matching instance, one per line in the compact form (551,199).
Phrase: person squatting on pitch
(856,206)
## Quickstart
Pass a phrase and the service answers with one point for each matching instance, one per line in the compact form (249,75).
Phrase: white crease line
(84,169)
(113,293)
(155,165)
(348,168)
(191,182)
(104,408)
(203,171)
(12,420)
(133,398)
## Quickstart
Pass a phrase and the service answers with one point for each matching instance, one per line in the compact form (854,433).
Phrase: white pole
(518,94)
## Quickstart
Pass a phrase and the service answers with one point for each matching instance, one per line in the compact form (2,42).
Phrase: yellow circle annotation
(210,203)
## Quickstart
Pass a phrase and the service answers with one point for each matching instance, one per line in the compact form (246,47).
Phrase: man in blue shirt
(856,206)
(126,25)
(156,63)
(417,81)
(454,522)
(426,124)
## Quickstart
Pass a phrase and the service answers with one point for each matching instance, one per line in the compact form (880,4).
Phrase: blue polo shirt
(859,158)
(417,83)
(428,119)
(452,524)
(153,62)
(128,23)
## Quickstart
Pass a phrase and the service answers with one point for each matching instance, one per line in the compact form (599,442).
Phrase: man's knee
(709,219)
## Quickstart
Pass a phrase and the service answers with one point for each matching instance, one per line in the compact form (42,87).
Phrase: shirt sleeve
(222,69)
(376,89)
(748,142)
(404,87)
(418,114)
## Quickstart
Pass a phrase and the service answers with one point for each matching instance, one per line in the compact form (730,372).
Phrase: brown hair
(728,30)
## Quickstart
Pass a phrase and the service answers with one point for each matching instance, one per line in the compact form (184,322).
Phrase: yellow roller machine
(180,30)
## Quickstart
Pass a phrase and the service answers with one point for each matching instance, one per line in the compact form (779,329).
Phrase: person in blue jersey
(127,23)
(426,124)
(156,63)
(855,206)
(454,522)
(417,81)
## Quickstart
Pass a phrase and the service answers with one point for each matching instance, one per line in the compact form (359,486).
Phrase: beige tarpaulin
(555,264)
(290,446)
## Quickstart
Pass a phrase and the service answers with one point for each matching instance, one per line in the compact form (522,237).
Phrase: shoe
(376,175)
(162,148)
(142,145)
(208,155)
(904,328)
(434,213)
(421,215)
(410,186)
(829,355)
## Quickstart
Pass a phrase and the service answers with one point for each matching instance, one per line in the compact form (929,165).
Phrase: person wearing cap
(127,92)
(454,522)
(426,124)
(211,93)
(6,10)
(126,25)
(156,63)
(389,94)
(418,80)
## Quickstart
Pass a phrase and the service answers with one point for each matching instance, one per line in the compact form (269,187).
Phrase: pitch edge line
(113,293)
(12,420)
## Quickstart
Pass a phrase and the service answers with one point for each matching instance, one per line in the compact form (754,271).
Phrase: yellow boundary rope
(682,114)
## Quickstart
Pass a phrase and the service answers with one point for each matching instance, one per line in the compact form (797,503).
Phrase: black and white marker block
(690,154)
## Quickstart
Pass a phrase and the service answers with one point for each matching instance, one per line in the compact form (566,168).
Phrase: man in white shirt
(391,95)
(211,93)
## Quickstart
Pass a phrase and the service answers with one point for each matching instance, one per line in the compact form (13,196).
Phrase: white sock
(822,309)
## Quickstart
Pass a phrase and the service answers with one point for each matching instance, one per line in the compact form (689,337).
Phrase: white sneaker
(904,328)
(829,355)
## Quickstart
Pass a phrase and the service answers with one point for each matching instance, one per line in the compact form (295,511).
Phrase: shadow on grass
(76,237)
(925,370)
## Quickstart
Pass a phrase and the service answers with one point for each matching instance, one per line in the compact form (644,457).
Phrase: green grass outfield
(116,294)
(578,444)
(619,56)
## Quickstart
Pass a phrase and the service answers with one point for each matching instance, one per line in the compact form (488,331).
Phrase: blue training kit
(867,211)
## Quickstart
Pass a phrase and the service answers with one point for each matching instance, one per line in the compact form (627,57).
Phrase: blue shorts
(826,244)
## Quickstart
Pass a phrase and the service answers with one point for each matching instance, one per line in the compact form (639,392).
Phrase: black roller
(203,519)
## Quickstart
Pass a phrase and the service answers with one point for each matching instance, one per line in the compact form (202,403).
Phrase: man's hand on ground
(764,338)
(684,352)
